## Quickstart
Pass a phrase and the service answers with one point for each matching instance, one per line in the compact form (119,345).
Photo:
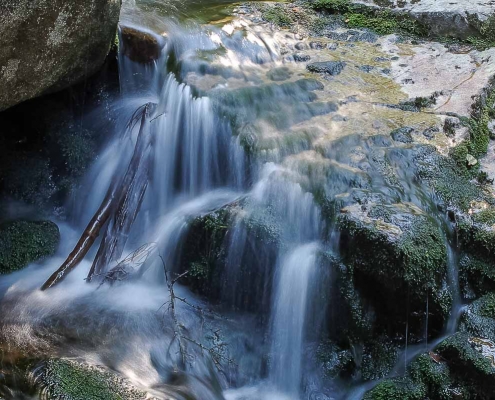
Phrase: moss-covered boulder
(399,258)
(231,253)
(22,242)
(63,379)
(469,360)
(479,318)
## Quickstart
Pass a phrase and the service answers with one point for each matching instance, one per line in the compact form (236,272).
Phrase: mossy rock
(396,389)
(205,254)
(469,364)
(399,249)
(22,242)
(476,275)
(477,233)
(62,379)
(479,318)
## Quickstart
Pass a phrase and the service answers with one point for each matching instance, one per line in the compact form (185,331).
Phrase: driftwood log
(120,206)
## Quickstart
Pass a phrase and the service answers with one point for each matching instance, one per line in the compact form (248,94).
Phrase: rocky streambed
(365,126)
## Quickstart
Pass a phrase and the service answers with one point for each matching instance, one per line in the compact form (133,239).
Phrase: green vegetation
(396,389)
(70,380)
(381,21)
(483,111)
(22,242)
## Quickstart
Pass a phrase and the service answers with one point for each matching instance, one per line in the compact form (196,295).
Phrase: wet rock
(279,74)
(301,57)
(450,126)
(23,242)
(332,46)
(139,45)
(385,245)
(397,388)
(429,133)
(326,67)
(402,135)
(73,380)
(381,59)
(467,359)
(317,45)
(479,318)
(46,45)
(301,46)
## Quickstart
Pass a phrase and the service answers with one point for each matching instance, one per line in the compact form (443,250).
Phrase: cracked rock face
(48,45)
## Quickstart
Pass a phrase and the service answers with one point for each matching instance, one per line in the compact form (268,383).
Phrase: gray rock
(491,128)
(317,45)
(327,67)
(301,57)
(459,19)
(332,46)
(48,45)
(403,135)
(301,46)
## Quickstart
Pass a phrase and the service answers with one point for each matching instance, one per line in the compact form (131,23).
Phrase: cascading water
(192,165)
(293,290)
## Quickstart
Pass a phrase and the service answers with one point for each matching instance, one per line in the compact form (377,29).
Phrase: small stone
(430,132)
(301,46)
(471,161)
(403,135)
(332,46)
(380,59)
(327,67)
(386,71)
(317,45)
(395,58)
(301,57)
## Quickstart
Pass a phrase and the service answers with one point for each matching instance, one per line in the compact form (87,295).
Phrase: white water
(292,293)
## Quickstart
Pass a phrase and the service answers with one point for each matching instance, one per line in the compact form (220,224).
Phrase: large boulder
(48,45)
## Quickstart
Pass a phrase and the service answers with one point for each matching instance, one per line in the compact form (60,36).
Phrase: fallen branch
(111,202)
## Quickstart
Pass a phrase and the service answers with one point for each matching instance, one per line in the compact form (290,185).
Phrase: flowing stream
(196,167)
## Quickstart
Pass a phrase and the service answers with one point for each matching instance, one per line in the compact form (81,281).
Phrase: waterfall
(292,294)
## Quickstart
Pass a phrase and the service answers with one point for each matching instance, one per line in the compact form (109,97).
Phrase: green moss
(476,237)
(379,357)
(467,362)
(203,249)
(434,375)
(278,16)
(22,242)
(482,113)
(477,276)
(69,380)
(396,389)
(381,21)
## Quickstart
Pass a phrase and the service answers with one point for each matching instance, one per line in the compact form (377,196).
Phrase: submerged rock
(327,67)
(22,242)
(48,45)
